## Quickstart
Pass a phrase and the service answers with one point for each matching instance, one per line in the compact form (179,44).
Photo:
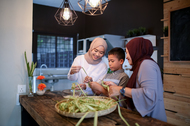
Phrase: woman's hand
(87,79)
(82,86)
(97,88)
(114,91)
(75,69)
(110,83)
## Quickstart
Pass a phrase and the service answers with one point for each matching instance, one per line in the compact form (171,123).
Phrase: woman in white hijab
(92,63)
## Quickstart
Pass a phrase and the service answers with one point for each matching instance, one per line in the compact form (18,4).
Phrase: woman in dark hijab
(144,90)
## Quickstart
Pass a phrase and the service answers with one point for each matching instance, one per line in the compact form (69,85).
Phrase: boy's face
(114,62)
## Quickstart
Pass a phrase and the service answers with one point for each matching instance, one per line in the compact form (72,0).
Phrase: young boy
(116,58)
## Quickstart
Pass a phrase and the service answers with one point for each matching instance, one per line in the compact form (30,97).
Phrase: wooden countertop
(42,110)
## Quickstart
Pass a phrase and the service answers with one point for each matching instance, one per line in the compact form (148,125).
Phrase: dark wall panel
(119,17)
(123,15)
(44,21)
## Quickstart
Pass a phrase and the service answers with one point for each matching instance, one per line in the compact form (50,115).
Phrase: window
(54,51)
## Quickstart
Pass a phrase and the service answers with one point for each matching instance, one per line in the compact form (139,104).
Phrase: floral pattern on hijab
(95,43)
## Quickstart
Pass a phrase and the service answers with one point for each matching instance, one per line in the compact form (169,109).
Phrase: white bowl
(39,92)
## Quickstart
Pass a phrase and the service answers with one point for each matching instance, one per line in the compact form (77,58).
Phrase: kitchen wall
(119,17)
(15,38)
(123,15)
(176,74)
(45,23)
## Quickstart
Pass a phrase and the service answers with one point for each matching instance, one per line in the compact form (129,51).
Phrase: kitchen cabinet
(152,38)
(112,41)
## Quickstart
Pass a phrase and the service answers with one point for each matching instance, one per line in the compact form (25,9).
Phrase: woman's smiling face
(98,52)
(128,57)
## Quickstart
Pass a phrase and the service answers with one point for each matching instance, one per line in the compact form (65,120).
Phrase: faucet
(43,65)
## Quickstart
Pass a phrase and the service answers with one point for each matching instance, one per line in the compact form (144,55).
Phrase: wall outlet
(21,89)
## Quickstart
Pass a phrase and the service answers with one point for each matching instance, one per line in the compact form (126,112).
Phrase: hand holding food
(114,91)
(75,69)
(96,88)
(83,86)
(109,83)
(105,86)
(87,79)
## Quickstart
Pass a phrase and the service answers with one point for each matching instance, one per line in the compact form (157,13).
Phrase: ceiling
(57,3)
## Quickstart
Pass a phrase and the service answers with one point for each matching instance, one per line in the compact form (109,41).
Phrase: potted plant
(30,70)
(142,30)
(130,33)
(165,30)
(135,32)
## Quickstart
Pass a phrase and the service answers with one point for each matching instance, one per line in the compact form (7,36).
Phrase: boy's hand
(83,86)
(110,83)
(75,69)
(87,79)
(96,88)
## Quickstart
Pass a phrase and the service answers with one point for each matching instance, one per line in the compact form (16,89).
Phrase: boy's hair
(119,52)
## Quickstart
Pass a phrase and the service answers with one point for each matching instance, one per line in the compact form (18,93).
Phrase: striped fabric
(119,77)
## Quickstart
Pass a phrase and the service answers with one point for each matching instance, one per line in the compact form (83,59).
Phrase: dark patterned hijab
(139,50)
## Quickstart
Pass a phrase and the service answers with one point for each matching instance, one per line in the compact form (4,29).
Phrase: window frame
(34,43)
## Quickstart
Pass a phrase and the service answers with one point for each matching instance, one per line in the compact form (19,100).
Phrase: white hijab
(95,43)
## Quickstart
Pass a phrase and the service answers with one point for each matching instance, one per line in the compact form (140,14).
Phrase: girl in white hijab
(92,63)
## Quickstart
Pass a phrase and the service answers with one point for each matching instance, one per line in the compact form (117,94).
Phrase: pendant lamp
(93,7)
(66,15)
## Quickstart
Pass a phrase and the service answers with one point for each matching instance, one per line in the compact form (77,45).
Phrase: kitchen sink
(51,79)
(52,76)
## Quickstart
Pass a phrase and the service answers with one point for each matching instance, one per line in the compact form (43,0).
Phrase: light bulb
(66,14)
(94,3)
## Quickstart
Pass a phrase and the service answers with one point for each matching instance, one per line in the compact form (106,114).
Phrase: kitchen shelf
(164,37)
(164,19)
(181,95)
(152,38)
(186,75)
(164,55)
